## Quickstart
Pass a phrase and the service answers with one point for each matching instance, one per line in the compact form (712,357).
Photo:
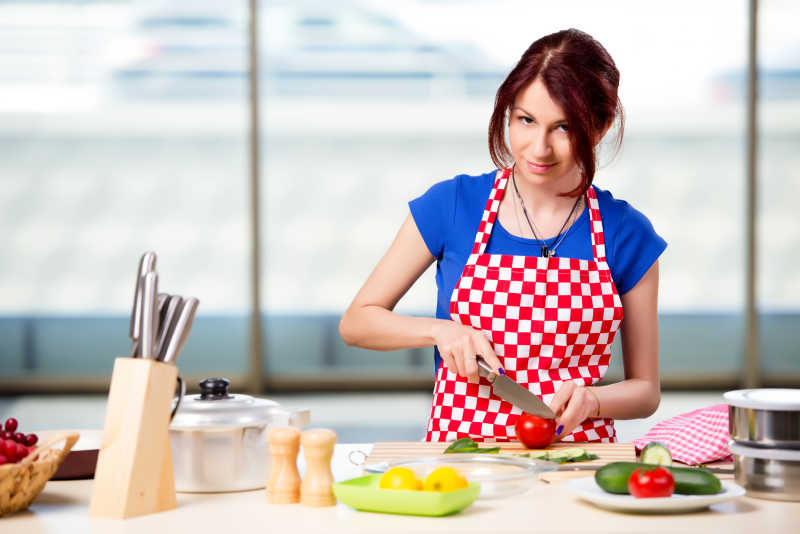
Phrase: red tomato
(646,483)
(535,432)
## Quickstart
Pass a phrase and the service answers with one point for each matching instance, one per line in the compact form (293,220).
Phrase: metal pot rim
(764,454)
(781,399)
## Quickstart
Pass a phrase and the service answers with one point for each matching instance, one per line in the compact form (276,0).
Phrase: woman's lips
(539,167)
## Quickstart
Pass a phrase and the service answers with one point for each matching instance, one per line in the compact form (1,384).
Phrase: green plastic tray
(363,493)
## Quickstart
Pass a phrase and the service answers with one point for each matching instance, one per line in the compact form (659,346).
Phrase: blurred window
(362,116)
(122,129)
(778,283)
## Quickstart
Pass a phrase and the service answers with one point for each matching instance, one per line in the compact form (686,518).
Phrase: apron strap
(493,204)
(596,226)
(488,218)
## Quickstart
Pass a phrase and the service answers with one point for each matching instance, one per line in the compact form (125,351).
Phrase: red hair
(582,78)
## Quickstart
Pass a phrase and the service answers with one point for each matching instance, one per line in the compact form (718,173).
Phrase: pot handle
(300,418)
(177,400)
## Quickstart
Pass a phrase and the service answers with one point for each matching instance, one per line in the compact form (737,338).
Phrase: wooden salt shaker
(284,480)
(317,487)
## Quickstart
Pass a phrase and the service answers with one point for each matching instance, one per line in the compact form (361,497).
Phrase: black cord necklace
(547,252)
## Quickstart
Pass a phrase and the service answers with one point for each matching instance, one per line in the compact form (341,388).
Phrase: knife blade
(147,263)
(149,314)
(177,338)
(510,391)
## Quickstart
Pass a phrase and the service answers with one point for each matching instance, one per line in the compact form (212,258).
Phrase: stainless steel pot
(765,418)
(767,473)
(219,440)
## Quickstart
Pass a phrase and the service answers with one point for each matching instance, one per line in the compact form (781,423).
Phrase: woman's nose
(540,145)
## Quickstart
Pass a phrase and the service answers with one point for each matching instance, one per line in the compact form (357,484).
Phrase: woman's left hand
(572,405)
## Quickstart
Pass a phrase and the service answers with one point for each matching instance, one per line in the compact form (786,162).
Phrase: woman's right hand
(460,345)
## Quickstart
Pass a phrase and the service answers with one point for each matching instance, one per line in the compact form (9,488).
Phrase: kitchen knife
(510,391)
(167,319)
(149,315)
(177,338)
(147,263)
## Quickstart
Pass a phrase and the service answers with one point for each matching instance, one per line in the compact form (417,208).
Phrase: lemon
(444,479)
(400,478)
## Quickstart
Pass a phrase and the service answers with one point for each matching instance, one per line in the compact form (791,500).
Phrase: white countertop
(63,508)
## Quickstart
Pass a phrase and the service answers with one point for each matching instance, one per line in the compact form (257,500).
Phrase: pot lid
(765,399)
(215,407)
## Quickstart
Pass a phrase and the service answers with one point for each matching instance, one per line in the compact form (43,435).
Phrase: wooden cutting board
(606,452)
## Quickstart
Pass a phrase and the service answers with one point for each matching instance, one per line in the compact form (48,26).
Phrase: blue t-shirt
(448,214)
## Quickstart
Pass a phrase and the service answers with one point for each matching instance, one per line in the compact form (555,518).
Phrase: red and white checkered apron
(549,320)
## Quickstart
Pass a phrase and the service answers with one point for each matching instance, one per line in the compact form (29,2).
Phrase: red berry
(31,439)
(3,459)
(6,434)
(11,424)
(19,437)
(22,451)
(10,450)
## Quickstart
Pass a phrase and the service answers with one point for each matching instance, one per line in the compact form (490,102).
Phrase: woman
(535,265)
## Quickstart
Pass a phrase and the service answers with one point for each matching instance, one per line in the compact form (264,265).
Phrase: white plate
(587,488)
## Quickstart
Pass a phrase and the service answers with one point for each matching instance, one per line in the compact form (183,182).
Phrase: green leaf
(467,445)
(566,459)
(462,450)
(460,444)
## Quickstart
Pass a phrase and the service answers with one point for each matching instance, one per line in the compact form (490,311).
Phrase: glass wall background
(122,129)
(125,130)
(779,165)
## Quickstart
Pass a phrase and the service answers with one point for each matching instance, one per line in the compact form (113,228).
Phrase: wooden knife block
(134,474)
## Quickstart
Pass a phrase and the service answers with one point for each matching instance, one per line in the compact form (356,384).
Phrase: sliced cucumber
(657,454)
(567,454)
(561,456)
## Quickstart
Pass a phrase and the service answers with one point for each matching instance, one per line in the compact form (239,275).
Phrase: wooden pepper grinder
(317,487)
(284,480)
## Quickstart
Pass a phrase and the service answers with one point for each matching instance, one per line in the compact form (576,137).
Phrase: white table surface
(63,508)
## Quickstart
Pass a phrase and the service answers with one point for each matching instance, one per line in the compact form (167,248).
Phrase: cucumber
(613,478)
(561,456)
(566,454)
(657,454)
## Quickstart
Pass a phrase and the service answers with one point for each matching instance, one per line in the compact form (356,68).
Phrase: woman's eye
(526,120)
(563,127)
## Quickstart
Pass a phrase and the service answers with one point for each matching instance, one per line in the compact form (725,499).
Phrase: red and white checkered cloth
(695,437)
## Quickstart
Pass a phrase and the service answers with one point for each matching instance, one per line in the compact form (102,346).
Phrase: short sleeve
(433,213)
(636,247)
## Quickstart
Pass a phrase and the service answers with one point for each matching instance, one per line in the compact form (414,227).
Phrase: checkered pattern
(695,437)
(550,320)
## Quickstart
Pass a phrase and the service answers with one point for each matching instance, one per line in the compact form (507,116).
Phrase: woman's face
(540,145)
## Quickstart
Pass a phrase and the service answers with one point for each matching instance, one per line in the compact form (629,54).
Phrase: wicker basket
(21,482)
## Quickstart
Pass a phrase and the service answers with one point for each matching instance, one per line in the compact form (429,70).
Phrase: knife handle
(147,264)
(485,371)
(149,314)
(180,333)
